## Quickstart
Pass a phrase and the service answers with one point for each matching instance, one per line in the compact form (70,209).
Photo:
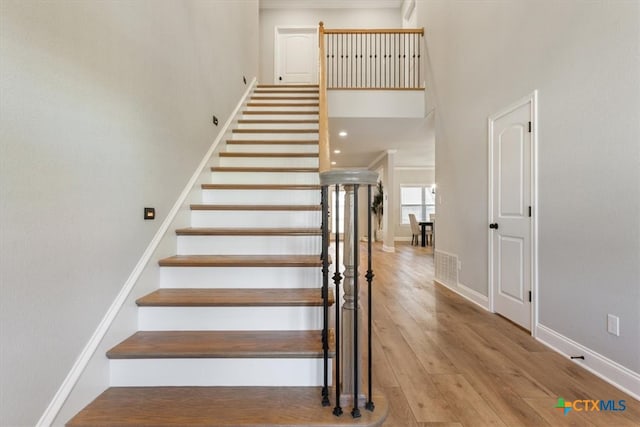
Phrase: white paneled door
(296,56)
(511,212)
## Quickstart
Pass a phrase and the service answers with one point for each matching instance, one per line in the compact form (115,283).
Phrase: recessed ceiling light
(336,151)
(343,133)
(333,163)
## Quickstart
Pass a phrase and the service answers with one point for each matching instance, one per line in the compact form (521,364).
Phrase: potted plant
(376,208)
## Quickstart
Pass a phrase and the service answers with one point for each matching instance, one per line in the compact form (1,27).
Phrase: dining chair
(415,229)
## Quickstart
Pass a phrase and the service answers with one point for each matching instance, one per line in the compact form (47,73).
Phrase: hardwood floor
(441,360)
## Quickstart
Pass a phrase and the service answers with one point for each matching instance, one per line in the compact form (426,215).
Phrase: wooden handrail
(376,31)
(323,132)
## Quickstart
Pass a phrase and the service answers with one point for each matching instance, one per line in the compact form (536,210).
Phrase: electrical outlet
(215,120)
(149,213)
(613,324)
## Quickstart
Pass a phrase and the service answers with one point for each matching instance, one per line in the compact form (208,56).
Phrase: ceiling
(368,140)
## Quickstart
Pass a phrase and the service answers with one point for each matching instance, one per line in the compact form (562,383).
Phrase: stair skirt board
(273,197)
(283,372)
(240,277)
(229,318)
(249,245)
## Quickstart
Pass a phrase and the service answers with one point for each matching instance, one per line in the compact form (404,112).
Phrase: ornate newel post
(348,334)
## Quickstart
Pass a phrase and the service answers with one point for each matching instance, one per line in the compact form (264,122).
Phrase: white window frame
(424,206)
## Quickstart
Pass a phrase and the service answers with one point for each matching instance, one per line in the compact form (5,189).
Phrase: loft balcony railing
(389,59)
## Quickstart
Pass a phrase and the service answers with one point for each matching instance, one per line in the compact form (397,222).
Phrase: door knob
(280,78)
(494,225)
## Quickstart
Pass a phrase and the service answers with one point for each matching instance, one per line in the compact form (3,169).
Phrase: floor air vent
(446,268)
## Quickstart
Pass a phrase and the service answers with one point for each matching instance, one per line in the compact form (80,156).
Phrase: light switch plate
(613,324)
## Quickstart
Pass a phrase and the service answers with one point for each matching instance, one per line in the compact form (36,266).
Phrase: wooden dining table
(423,230)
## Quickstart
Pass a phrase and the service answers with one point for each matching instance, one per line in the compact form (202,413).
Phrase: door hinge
(529,211)
(529,127)
(529,296)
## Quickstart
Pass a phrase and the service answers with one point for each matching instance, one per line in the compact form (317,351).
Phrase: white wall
(106,108)
(332,18)
(583,58)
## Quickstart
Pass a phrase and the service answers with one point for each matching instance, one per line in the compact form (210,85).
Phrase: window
(418,200)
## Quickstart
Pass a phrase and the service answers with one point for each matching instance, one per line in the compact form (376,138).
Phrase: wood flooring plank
(219,344)
(168,297)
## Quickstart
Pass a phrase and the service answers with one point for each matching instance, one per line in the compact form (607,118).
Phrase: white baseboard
(87,353)
(610,371)
(469,294)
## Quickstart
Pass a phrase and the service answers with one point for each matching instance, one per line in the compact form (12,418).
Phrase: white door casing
(512,211)
(296,55)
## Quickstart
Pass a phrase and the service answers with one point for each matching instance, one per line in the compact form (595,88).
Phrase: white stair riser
(272,148)
(266,219)
(265,100)
(249,245)
(240,277)
(287,93)
(229,318)
(261,197)
(277,125)
(298,162)
(216,372)
(275,107)
(266,116)
(265,177)
(267,136)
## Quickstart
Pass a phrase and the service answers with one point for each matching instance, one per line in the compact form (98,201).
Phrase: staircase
(233,334)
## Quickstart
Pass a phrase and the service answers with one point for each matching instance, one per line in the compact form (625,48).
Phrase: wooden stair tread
(272,141)
(260,169)
(260,187)
(286,86)
(260,90)
(278,112)
(281,104)
(284,98)
(206,231)
(266,154)
(220,406)
(207,207)
(275,121)
(219,344)
(293,297)
(241,261)
(275,131)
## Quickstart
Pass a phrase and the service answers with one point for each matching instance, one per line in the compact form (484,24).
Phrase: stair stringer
(90,374)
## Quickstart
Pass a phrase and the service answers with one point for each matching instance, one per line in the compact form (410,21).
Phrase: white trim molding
(467,293)
(90,348)
(386,248)
(612,372)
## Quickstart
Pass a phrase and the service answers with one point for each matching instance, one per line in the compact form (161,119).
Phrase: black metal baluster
(369,405)
(355,412)
(419,76)
(325,293)
(337,410)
